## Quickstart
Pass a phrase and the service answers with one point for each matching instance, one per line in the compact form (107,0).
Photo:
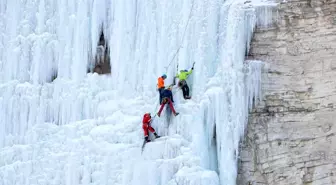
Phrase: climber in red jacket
(147,119)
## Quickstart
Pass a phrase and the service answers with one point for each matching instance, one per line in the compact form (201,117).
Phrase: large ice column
(231,91)
(44,37)
(39,41)
(253,82)
(225,112)
(23,105)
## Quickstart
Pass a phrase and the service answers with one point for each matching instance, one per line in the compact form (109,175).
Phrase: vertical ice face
(60,125)
(42,40)
(230,90)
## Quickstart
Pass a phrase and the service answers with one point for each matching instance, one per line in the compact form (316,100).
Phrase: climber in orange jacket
(161,85)
(147,119)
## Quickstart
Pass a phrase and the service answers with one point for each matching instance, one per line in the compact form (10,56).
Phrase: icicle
(266,13)
(254,82)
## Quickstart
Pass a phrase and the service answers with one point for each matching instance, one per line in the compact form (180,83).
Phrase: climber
(167,97)
(161,85)
(146,121)
(183,83)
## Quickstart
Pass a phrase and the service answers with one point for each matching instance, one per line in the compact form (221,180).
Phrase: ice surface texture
(86,129)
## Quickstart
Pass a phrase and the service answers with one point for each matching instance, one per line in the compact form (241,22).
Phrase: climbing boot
(147,140)
(156,136)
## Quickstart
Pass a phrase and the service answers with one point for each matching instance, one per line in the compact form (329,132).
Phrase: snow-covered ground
(86,129)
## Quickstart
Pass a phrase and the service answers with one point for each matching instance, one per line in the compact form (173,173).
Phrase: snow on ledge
(266,12)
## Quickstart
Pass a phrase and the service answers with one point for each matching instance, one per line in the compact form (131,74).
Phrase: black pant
(185,88)
(160,92)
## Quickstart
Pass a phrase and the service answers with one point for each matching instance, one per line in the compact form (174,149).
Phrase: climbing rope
(185,30)
(178,49)
(155,111)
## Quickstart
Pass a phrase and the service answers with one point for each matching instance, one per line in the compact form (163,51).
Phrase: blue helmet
(164,76)
(185,70)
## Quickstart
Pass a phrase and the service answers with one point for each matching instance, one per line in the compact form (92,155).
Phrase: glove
(192,68)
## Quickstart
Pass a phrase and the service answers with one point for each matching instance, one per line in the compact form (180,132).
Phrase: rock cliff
(290,137)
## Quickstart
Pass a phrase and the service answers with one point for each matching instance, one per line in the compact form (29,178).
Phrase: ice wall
(85,129)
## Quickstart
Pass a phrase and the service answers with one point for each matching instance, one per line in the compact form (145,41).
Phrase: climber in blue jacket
(167,97)
(166,93)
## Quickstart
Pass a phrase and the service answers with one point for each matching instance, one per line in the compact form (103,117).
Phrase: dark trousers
(185,88)
(160,92)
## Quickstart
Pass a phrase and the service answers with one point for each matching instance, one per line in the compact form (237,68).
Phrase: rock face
(291,138)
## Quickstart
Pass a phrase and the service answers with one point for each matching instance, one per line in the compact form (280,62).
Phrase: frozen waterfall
(61,125)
